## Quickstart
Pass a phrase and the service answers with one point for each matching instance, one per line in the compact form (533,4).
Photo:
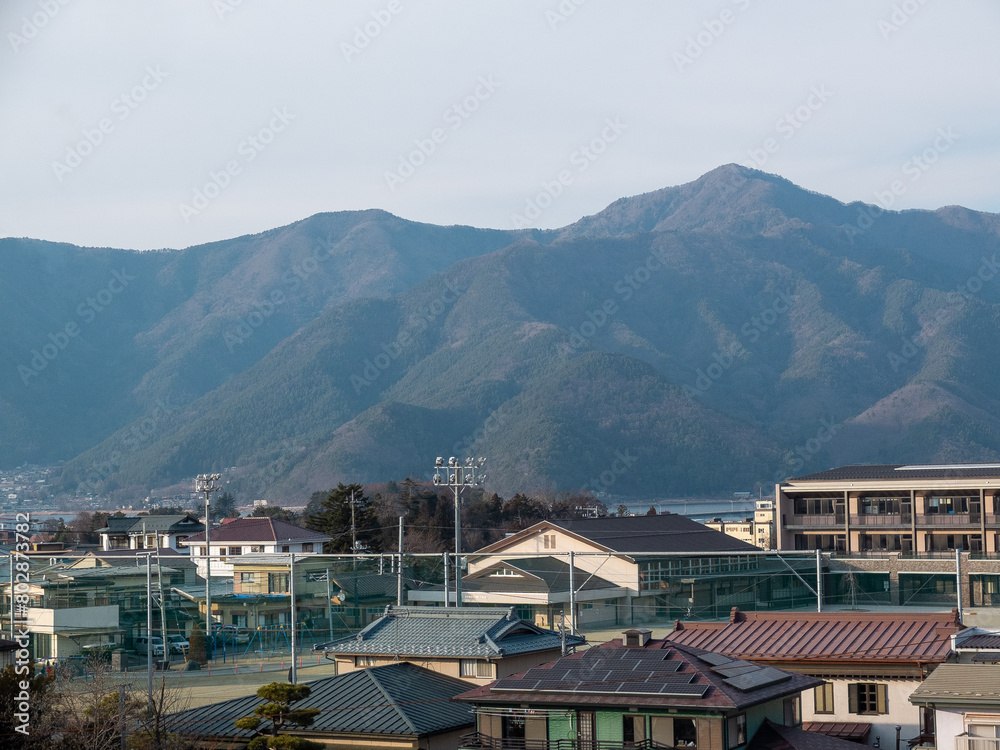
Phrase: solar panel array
(743,675)
(622,671)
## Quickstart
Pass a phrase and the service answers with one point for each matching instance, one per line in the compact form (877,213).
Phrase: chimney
(735,615)
(637,637)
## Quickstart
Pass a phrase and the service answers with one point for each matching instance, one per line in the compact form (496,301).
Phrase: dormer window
(549,541)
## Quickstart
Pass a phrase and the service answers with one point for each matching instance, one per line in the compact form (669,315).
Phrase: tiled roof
(828,637)
(667,532)
(902,472)
(471,632)
(962,685)
(773,736)
(693,678)
(395,699)
(987,641)
(258,530)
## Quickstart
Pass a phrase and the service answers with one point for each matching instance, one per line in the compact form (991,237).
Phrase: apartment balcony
(947,520)
(880,520)
(824,521)
(478,741)
(965,742)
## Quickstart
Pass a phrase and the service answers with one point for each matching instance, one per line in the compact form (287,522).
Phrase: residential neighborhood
(576,633)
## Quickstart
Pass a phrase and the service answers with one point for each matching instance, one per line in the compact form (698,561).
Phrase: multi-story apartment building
(930,510)
(757,530)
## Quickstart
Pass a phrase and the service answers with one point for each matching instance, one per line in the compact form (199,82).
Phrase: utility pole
(458,477)
(207,484)
(399,567)
(329,604)
(572,596)
(354,530)
(149,626)
(819,580)
(291,592)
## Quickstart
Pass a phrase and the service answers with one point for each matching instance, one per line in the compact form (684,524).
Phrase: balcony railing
(879,519)
(479,741)
(965,742)
(946,519)
(822,520)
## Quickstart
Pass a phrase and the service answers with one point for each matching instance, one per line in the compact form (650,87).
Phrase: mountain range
(696,340)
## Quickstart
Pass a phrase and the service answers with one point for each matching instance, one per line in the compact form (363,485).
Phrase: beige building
(931,510)
(757,530)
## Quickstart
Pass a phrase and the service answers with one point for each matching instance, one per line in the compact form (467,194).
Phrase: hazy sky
(152,123)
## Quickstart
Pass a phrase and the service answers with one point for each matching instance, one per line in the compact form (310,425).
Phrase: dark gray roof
(134,524)
(902,472)
(472,632)
(987,641)
(661,533)
(659,675)
(395,699)
(772,736)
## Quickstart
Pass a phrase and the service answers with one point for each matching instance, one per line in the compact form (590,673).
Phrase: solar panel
(735,671)
(714,659)
(758,679)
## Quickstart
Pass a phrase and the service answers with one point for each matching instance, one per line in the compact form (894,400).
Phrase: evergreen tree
(334,520)
(224,507)
(279,712)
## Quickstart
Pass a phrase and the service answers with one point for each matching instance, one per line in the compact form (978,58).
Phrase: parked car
(178,644)
(234,634)
(141,644)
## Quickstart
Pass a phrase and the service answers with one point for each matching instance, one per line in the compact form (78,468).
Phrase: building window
(505,572)
(633,729)
(256,548)
(285,548)
(685,733)
(868,698)
(235,550)
(365,660)
(476,668)
(246,577)
(792,712)
(549,541)
(823,697)
(307,547)
(737,730)
(277,583)
(240,621)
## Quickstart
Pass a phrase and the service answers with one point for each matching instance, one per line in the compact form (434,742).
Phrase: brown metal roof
(825,637)
(854,731)
(773,736)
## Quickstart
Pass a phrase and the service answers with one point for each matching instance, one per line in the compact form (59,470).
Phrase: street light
(458,477)
(208,483)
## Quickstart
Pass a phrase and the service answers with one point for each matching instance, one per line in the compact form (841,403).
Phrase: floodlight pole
(149,627)
(458,477)
(207,484)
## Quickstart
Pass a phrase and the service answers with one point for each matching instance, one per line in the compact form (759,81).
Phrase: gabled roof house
(869,662)
(475,643)
(251,536)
